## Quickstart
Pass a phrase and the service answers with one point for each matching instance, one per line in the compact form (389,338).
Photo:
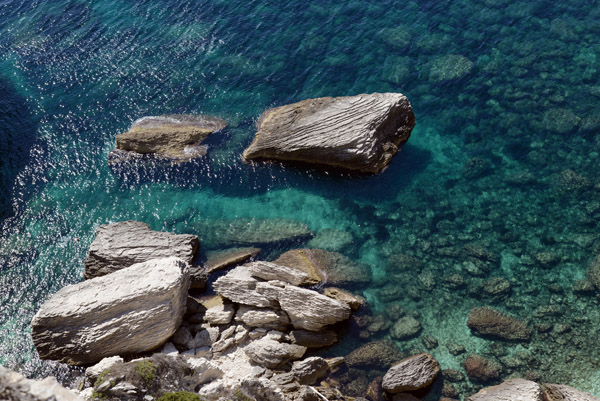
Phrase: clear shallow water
(504,154)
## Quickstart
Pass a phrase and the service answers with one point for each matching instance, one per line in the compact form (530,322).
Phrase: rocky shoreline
(252,339)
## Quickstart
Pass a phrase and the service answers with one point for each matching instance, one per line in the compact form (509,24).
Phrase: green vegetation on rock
(180,396)
(146,370)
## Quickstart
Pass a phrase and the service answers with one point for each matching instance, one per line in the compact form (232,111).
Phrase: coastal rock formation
(220,260)
(413,373)
(311,339)
(262,317)
(377,355)
(510,390)
(271,353)
(14,386)
(490,322)
(176,137)
(273,271)
(122,244)
(357,133)
(129,311)
(405,328)
(309,370)
(481,369)
(239,286)
(561,392)
(328,267)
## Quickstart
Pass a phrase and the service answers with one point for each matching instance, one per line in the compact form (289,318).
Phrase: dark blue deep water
(493,201)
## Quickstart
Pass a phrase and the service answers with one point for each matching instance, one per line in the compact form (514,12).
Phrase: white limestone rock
(271,271)
(271,353)
(13,386)
(262,317)
(510,390)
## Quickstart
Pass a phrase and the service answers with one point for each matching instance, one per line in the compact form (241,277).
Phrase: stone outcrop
(413,373)
(343,296)
(561,392)
(510,390)
(176,137)
(328,267)
(220,260)
(309,370)
(490,322)
(129,311)
(122,244)
(357,133)
(377,355)
(271,353)
(272,319)
(239,286)
(273,271)
(13,386)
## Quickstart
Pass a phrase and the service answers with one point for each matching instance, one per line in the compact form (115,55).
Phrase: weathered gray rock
(239,286)
(405,328)
(413,373)
(94,371)
(263,317)
(219,260)
(176,137)
(481,369)
(309,370)
(510,390)
(358,133)
(378,355)
(272,271)
(122,244)
(15,387)
(490,322)
(561,392)
(271,353)
(129,311)
(310,310)
(219,314)
(343,296)
(311,339)
(328,267)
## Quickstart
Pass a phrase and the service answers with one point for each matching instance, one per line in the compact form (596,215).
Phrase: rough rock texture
(357,133)
(219,260)
(449,67)
(176,137)
(310,310)
(329,267)
(272,271)
(263,317)
(411,374)
(221,313)
(481,369)
(510,390)
(338,294)
(122,244)
(239,286)
(15,387)
(309,370)
(378,355)
(129,311)
(311,339)
(593,273)
(405,328)
(271,353)
(561,392)
(490,322)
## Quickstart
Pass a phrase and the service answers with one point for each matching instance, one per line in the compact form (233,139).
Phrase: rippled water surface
(497,188)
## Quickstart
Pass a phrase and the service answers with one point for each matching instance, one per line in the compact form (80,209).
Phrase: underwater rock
(312,339)
(176,137)
(14,386)
(477,167)
(569,182)
(561,392)
(510,390)
(271,353)
(397,37)
(310,310)
(449,67)
(375,355)
(561,121)
(481,369)
(331,240)
(405,328)
(413,373)
(329,267)
(496,287)
(357,133)
(219,260)
(489,322)
(593,272)
(122,244)
(129,311)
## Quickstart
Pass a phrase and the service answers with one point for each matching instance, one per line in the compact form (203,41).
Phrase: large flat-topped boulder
(357,133)
(122,244)
(410,374)
(176,137)
(129,311)
(510,390)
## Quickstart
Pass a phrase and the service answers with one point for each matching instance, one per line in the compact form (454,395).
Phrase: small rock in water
(413,373)
(490,322)
(481,369)
(405,328)
(449,67)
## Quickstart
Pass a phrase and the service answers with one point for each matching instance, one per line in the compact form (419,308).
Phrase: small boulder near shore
(510,390)
(413,373)
(122,244)
(129,311)
(176,137)
(355,133)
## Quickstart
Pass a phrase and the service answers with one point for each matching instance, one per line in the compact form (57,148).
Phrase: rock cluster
(14,386)
(357,133)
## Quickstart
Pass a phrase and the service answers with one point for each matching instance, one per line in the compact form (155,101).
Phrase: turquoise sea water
(499,178)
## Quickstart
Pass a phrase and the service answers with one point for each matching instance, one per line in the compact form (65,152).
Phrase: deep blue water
(504,155)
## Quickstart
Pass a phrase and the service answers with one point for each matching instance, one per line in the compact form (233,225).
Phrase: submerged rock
(449,67)
(357,133)
(122,244)
(413,373)
(561,121)
(14,386)
(481,369)
(176,137)
(329,267)
(311,339)
(510,390)
(129,311)
(561,392)
(405,328)
(376,355)
(490,322)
